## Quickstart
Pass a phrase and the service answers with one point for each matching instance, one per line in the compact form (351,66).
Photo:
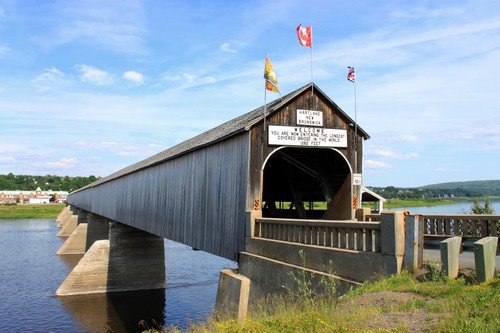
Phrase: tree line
(472,189)
(11,182)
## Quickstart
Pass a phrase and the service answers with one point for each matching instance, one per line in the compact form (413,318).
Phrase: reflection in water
(131,311)
(30,273)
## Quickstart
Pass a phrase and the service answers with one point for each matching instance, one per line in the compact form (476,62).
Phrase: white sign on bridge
(309,117)
(307,136)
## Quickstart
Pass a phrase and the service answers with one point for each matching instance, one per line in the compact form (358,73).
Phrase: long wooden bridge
(254,191)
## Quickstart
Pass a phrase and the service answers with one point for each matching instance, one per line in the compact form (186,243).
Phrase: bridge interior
(306,183)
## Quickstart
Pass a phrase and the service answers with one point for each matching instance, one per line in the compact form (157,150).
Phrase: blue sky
(89,87)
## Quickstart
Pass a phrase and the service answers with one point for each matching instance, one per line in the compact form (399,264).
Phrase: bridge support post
(232,295)
(75,244)
(91,227)
(484,256)
(98,229)
(450,250)
(130,260)
(414,242)
(392,234)
(63,219)
(62,215)
(69,225)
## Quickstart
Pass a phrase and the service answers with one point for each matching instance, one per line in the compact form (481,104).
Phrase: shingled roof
(228,129)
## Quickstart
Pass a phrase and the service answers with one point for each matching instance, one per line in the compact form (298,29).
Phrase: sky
(90,87)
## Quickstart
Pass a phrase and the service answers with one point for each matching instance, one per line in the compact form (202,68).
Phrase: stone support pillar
(392,240)
(232,295)
(64,211)
(450,250)
(64,218)
(130,260)
(98,229)
(69,226)
(75,244)
(484,256)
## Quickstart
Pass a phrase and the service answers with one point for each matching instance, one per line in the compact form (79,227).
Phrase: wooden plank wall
(287,116)
(197,199)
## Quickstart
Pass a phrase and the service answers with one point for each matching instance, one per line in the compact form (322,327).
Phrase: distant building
(37,196)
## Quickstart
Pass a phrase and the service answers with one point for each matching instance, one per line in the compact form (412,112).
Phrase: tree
(476,207)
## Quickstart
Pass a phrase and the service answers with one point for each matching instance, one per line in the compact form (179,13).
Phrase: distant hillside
(474,185)
(476,188)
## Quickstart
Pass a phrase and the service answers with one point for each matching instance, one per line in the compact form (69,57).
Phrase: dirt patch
(391,311)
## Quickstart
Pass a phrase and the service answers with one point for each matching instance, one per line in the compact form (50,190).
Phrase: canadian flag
(305,35)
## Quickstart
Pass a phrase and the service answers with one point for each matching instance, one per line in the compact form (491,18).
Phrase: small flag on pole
(305,35)
(351,75)
(270,76)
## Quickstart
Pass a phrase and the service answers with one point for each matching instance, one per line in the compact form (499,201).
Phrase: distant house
(37,196)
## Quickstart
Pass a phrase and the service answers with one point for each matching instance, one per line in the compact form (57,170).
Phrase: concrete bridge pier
(130,260)
(69,223)
(62,215)
(91,228)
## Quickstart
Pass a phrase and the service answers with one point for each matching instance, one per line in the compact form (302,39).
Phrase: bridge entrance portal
(307,183)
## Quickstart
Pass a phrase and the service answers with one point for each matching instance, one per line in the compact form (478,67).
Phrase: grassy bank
(43,211)
(395,304)
(396,203)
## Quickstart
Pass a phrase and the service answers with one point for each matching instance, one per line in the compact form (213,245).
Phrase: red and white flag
(351,75)
(305,35)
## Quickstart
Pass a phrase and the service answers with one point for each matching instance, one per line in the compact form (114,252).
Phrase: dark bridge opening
(307,183)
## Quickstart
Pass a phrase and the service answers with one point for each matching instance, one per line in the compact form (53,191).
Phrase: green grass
(440,305)
(42,211)
(395,203)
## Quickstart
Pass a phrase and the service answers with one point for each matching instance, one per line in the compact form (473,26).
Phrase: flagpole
(312,85)
(355,132)
(265,104)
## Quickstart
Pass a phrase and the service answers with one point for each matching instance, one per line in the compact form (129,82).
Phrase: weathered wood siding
(197,199)
(287,116)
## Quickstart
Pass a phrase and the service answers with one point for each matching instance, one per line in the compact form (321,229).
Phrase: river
(454,208)
(30,272)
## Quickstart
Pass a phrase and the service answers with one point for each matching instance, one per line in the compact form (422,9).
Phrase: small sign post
(357,179)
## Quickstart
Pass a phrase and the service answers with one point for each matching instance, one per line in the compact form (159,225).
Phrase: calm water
(455,208)
(30,272)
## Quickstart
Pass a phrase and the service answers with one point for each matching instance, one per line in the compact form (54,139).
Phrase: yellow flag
(270,76)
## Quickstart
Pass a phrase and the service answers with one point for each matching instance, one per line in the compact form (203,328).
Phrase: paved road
(466,259)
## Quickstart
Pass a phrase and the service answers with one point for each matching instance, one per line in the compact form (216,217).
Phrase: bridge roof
(228,129)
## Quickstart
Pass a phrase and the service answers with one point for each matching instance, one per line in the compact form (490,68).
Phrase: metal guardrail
(351,235)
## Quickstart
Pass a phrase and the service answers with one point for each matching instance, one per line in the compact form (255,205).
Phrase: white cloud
(95,76)
(64,163)
(2,12)
(376,164)
(133,76)
(49,79)
(389,153)
(7,160)
(231,46)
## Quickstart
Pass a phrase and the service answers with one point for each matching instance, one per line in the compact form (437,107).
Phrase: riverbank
(395,304)
(27,211)
(396,203)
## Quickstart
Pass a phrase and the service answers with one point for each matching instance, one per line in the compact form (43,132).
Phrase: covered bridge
(205,192)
